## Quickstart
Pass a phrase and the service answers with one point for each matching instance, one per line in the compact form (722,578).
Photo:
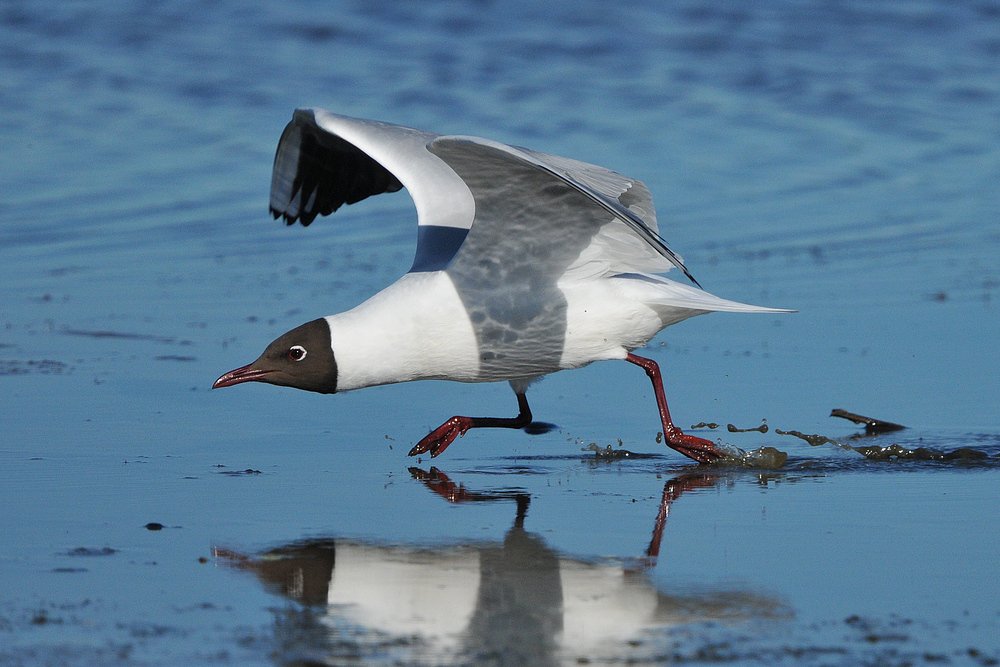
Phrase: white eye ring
(297,353)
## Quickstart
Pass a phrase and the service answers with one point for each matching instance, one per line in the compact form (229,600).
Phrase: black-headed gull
(526,264)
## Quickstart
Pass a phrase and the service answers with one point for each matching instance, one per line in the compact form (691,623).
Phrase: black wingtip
(691,278)
(290,220)
(661,245)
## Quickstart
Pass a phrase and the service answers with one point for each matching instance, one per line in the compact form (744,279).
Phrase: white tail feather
(657,290)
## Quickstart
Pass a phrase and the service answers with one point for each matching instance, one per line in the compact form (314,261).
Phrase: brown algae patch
(920,453)
(772,458)
(733,456)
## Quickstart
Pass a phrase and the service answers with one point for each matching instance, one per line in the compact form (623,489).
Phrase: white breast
(415,329)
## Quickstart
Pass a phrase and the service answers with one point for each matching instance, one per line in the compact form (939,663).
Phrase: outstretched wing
(325,160)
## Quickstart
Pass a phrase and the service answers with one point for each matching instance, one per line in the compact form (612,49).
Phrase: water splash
(762,457)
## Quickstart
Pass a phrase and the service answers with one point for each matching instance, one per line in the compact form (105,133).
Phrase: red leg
(699,449)
(438,440)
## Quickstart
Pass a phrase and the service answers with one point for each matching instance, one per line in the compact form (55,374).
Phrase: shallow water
(836,159)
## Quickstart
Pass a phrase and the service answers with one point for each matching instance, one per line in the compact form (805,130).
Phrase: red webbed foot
(693,447)
(438,440)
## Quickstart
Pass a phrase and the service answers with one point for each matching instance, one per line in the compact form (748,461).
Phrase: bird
(526,264)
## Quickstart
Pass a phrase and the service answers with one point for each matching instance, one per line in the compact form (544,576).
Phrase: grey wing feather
(529,228)
(617,248)
(532,225)
(626,199)
(608,183)
(630,218)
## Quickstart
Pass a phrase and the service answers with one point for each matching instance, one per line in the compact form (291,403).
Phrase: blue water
(840,159)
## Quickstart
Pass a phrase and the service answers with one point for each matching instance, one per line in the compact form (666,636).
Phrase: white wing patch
(442,199)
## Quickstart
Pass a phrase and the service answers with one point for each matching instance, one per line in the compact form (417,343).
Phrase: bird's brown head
(301,358)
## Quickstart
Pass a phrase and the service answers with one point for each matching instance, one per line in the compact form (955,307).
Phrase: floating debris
(814,440)
(732,429)
(118,335)
(704,425)
(872,425)
(893,451)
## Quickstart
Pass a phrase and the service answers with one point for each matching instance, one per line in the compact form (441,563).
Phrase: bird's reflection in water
(515,602)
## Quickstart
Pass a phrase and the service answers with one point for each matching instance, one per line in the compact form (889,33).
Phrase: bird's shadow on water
(539,428)
(515,601)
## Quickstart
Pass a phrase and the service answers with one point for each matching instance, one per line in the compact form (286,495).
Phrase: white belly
(604,321)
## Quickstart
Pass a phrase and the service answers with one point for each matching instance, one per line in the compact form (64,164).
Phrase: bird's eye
(297,353)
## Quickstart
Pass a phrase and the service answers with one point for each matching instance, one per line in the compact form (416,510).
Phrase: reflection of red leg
(441,484)
(438,440)
(699,449)
(672,490)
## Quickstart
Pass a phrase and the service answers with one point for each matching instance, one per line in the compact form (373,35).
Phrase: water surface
(836,159)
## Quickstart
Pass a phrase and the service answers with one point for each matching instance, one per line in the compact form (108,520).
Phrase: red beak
(245,374)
